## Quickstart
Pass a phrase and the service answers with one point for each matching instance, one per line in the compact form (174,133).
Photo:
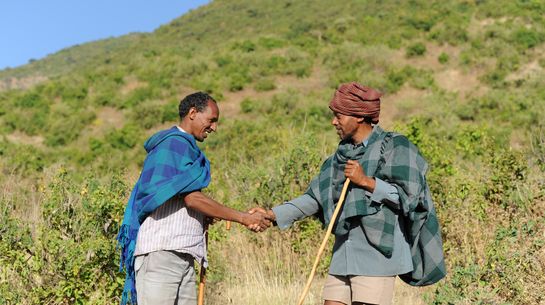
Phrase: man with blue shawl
(387,226)
(162,233)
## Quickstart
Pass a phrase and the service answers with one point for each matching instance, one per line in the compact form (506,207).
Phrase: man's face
(205,122)
(345,125)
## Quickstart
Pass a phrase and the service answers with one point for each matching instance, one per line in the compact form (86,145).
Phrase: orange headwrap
(356,100)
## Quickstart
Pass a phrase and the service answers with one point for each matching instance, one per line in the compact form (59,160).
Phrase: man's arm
(211,208)
(286,214)
(378,190)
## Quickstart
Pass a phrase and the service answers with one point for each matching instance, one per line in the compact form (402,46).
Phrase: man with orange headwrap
(387,226)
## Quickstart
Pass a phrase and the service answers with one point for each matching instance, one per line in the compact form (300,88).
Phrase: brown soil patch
(477,25)
(109,116)
(463,83)
(399,104)
(22,138)
(525,72)
(21,83)
(131,83)
(430,60)
(106,118)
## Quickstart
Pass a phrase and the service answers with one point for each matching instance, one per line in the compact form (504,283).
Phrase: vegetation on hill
(464,80)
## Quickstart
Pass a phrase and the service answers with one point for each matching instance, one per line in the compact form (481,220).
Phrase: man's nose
(214,126)
(334,121)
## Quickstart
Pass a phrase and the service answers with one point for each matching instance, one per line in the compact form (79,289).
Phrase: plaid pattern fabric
(394,159)
(174,165)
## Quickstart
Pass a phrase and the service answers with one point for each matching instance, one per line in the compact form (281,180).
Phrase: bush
(247,105)
(527,39)
(245,46)
(265,84)
(508,170)
(270,42)
(64,129)
(443,58)
(124,138)
(148,115)
(417,49)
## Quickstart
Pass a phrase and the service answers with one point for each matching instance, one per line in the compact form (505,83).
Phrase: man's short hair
(199,100)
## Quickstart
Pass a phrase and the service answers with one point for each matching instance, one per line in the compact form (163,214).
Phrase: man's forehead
(213,107)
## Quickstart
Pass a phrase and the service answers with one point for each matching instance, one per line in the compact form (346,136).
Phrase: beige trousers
(364,289)
(166,278)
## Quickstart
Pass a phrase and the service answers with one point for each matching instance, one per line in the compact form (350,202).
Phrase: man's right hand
(258,210)
(257,219)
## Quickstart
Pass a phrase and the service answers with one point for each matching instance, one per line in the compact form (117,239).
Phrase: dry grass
(262,269)
(22,196)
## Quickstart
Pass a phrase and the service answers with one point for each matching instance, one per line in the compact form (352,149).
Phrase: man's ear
(192,113)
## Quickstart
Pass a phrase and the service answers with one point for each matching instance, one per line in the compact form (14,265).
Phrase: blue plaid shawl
(174,165)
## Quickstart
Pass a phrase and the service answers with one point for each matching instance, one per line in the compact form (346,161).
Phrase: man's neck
(185,127)
(362,133)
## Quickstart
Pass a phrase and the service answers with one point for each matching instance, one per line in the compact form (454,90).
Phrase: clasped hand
(258,219)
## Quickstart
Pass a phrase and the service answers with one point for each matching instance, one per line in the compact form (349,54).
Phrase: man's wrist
(367,183)
(242,217)
(272,217)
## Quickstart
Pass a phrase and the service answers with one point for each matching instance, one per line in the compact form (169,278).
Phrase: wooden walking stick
(324,241)
(202,274)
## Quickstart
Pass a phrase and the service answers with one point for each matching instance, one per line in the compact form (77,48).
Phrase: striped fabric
(173,226)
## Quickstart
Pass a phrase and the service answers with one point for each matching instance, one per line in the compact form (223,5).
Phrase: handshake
(258,219)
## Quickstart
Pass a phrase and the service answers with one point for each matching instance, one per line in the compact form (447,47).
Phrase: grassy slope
(464,80)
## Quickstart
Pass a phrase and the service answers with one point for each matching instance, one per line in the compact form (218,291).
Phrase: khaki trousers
(364,289)
(165,278)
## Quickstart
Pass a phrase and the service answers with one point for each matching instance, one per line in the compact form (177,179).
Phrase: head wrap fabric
(357,100)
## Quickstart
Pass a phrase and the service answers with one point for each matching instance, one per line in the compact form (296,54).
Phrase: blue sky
(32,29)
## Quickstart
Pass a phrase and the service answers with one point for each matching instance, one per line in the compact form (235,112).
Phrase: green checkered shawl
(394,159)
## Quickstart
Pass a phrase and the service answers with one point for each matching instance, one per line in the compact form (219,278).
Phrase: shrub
(65,129)
(417,49)
(452,32)
(247,105)
(527,39)
(148,115)
(270,42)
(75,248)
(124,138)
(23,159)
(265,84)
(245,46)
(443,58)
(139,95)
(509,169)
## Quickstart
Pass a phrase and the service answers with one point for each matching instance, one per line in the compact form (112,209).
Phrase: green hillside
(464,80)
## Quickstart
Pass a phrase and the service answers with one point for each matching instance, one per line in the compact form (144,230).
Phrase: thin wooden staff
(202,274)
(324,241)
